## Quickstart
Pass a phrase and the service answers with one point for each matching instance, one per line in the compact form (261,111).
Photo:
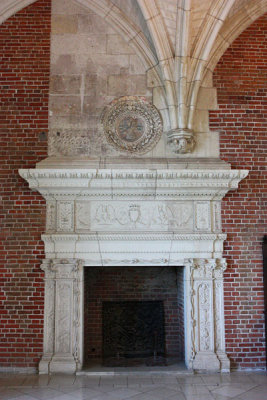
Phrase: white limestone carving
(140,217)
(51,216)
(204,300)
(132,125)
(68,143)
(207,315)
(219,315)
(181,141)
(216,216)
(65,216)
(120,216)
(49,317)
(139,184)
(202,211)
(62,319)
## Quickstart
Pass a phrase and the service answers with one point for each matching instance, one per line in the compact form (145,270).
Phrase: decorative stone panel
(132,125)
(138,216)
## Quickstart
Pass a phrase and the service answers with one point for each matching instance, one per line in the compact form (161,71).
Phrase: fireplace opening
(133,316)
(133,330)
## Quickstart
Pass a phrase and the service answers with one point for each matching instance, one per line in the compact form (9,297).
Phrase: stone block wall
(241,119)
(24,76)
(91,65)
(133,284)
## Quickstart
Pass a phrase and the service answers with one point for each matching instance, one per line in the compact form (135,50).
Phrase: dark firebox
(133,329)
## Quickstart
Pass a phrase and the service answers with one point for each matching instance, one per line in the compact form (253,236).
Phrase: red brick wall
(133,284)
(24,80)
(241,119)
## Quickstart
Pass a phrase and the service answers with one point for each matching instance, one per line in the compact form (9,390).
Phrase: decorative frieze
(138,216)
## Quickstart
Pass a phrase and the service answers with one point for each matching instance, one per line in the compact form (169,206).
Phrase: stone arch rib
(109,11)
(233,27)
(11,7)
(203,46)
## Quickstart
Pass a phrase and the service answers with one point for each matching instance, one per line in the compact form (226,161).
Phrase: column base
(63,364)
(224,361)
(44,364)
(206,362)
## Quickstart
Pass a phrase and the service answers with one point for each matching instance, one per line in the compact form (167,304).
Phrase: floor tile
(220,397)
(232,390)
(162,392)
(61,380)
(87,381)
(234,386)
(260,378)
(177,396)
(143,396)
(25,397)
(85,393)
(252,395)
(190,379)
(6,394)
(42,393)
(194,389)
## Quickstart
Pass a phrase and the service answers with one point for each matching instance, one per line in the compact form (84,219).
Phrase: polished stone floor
(237,386)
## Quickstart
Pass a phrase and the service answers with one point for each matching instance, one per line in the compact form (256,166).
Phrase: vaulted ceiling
(179,41)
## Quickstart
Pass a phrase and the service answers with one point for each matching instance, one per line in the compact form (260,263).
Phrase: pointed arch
(114,16)
(11,7)
(233,27)
(203,46)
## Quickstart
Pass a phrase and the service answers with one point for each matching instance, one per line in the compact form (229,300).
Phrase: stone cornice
(133,183)
(130,237)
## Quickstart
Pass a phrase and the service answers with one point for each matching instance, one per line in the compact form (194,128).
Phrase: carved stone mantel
(165,215)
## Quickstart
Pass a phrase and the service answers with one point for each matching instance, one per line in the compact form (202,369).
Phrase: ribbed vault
(178,41)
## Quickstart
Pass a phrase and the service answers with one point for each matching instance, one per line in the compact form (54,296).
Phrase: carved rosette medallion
(132,125)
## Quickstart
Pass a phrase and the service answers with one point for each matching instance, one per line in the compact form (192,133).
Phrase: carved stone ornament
(132,125)
(181,141)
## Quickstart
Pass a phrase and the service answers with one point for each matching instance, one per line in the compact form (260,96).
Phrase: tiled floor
(237,386)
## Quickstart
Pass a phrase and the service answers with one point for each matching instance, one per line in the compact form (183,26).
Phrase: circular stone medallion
(131,124)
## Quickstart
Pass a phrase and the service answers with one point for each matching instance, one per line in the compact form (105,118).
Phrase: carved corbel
(181,141)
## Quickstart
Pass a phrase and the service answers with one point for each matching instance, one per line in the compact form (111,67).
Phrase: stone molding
(139,183)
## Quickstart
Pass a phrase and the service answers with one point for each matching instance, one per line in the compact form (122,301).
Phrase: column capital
(201,268)
(66,268)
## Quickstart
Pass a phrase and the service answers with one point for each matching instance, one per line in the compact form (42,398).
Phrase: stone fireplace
(138,213)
